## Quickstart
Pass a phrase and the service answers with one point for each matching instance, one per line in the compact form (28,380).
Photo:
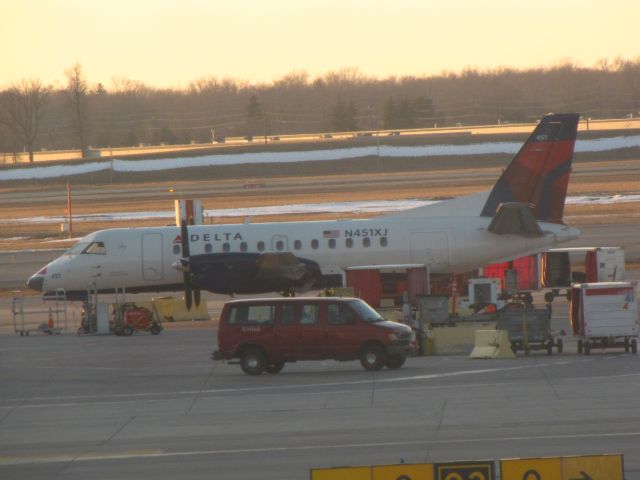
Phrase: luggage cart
(56,320)
(529,329)
(605,315)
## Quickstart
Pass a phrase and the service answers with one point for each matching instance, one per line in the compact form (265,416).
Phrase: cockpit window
(77,248)
(95,248)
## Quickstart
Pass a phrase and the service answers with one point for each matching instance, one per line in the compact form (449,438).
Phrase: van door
(342,332)
(312,332)
(287,329)
(152,264)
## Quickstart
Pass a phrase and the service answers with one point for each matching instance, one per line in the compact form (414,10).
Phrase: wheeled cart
(605,315)
(130,318)
(529,329)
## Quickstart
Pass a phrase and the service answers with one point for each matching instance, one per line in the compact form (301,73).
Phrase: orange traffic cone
(50,322)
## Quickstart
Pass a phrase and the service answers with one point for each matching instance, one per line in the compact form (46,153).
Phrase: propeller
(191,293)
(186,263)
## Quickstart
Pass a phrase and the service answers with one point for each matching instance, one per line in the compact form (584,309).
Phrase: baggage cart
(130,318)
(605,315)
(528,328)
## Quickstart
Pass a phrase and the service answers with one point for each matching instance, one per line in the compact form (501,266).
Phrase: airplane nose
(36,282)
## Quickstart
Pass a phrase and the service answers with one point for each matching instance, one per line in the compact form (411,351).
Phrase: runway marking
(185,393)
(8,460)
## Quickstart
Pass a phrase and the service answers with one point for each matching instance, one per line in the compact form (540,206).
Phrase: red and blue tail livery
(539,173)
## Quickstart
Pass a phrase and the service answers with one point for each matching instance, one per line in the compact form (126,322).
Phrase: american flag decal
(331,233)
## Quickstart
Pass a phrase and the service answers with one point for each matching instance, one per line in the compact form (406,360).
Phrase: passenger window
(208,248)
(226,247)
(338,314)
(314,244)
(332,243)
(243,247)
(297,244)
(252,315)
(366,242)
(261,246)
(383,241)
(279,245)
(96,248)
(349,242)
(309,314)
(176,249)
(287,314)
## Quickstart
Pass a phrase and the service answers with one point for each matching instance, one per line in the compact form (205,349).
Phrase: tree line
(83,114)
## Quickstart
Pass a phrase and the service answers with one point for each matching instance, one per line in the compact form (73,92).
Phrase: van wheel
(253,362)
(373,357)
(274,367)
(395,361)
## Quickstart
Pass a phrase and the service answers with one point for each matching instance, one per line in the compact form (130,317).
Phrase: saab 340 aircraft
(521,215)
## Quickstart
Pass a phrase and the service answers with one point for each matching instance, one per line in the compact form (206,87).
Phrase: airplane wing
(515,219)
(280,265)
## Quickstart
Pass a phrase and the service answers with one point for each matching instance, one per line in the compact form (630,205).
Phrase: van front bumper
(404,349)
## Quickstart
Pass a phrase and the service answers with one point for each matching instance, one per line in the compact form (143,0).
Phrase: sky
(170,43)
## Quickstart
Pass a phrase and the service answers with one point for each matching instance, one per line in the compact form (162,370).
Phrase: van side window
(338,314)
(287,314)
(309,314)
(251,315)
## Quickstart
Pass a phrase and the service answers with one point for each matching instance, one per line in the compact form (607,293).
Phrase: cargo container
(605,315)
(562,266)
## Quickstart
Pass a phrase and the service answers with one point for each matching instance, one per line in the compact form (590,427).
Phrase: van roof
(292,299)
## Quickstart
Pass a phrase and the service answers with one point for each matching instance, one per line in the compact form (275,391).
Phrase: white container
(605,314)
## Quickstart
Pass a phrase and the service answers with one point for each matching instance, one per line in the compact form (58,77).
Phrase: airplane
(521,214)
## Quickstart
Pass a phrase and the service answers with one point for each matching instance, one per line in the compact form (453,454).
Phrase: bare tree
(23,105)
(78,96)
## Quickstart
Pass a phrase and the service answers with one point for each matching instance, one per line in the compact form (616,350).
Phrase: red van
(264,334)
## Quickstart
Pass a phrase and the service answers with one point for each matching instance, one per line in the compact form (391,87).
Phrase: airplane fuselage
(141,259)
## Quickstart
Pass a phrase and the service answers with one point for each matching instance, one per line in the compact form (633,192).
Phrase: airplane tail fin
(539,173)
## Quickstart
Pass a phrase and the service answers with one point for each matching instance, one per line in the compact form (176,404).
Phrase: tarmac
(156,407)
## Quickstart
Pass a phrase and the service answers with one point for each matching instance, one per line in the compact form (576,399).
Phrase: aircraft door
(430,248)
(152,261)
(280,243)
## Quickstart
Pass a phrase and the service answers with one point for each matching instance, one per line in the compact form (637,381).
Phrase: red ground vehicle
(265,333)
(129,318)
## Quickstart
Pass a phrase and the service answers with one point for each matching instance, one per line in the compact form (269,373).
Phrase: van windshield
(365,312)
